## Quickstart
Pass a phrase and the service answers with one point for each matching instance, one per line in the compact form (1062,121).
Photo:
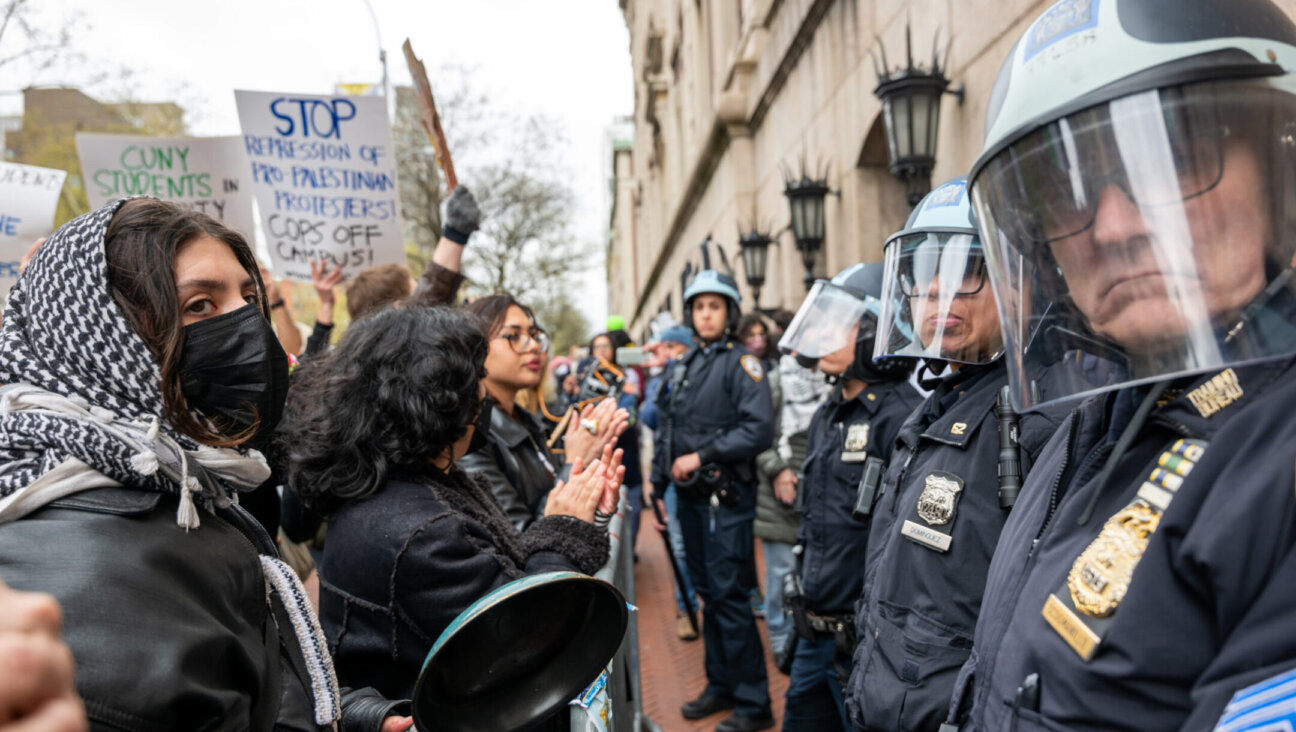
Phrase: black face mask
(233,371)
(481,425)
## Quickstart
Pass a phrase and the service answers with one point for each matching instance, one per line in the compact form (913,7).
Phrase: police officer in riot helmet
(950,482)
(848,445)
(1138,176)
(718,417)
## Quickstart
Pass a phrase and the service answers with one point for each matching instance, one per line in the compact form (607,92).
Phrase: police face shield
(936,299)
(1144,238)
(828,321)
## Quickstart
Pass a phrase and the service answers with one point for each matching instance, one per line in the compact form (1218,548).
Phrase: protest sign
(324,176)
(207,174)
(28,197)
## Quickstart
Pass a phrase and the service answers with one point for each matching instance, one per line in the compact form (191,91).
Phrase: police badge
(855,444)
(1082,609)
(1100,576)
(936,506)
(940,493)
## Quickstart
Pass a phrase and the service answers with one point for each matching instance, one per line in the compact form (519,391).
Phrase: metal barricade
(618,706)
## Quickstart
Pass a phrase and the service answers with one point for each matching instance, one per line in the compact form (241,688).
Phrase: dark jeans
(719,555)
(815,701)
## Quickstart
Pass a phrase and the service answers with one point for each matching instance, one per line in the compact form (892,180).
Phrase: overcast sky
(565,58)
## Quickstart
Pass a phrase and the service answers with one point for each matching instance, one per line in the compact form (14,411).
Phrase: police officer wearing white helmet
(948,489)
(1136,198)
(718,417)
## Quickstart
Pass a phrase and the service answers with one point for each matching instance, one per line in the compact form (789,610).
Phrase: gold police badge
(1101,574)
(940,492)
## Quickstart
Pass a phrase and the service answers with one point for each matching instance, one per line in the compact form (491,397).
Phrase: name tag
(925,536)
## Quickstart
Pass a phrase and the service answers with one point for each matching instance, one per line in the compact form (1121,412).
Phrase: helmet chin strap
(928,377)
(1252,311)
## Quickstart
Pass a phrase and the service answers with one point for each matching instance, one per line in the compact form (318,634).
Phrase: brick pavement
(671,669)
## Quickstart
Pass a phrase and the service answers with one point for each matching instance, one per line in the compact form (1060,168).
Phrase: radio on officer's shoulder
(870,483)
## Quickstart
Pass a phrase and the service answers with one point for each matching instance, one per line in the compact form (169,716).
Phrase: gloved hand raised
(462,216)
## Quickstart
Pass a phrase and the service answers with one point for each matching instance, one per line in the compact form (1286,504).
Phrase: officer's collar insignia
(940,493)
(1222,390)
(855,444)
(958,428)
(752,366)
(1081,609)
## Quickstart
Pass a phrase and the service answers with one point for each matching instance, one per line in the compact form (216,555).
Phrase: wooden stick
(431,120)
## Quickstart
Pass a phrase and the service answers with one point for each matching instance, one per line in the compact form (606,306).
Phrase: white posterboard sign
(207,174)
(323,172)
(28,198)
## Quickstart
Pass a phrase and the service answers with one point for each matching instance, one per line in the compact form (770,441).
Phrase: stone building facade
(732,94)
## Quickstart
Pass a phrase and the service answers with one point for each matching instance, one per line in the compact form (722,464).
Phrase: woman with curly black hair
(371,436)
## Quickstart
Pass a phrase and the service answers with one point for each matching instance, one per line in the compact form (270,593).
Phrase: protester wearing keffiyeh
(82,408)
(82,405)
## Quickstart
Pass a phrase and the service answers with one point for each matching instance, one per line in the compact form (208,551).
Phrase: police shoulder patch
(752,366)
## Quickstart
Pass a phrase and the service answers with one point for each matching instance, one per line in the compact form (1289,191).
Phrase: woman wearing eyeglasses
(515,459)
(942,503)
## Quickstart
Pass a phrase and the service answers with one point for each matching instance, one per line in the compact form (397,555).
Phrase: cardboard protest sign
(324,174)
(208,174)
(28,197)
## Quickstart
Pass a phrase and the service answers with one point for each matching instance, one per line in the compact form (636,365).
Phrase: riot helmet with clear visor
(840,313)
(935,302)
(1139,218)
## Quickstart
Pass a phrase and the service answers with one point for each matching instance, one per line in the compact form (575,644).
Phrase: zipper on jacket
(895,494)
(990,660)
(1054,491)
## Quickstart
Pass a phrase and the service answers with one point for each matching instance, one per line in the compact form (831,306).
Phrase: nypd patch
(752,366)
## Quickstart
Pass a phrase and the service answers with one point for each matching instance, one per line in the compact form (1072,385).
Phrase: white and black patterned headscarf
(81,407)
(81,385)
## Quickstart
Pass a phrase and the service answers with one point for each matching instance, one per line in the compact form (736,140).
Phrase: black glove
(462,216)
(363,710)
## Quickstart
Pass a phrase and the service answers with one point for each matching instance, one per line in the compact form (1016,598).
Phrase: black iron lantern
(754,247)
(911,99)
(806,200)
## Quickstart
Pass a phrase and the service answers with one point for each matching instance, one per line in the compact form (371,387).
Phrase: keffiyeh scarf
(83,392)
(81,408)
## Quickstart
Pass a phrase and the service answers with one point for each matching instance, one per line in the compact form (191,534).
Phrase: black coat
(170,629)
(1208,607)
(832,541)
(516,464)
(400,565)
(718,405)
(920,602)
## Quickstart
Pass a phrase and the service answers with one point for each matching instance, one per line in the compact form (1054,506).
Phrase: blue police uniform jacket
(842,435)
(1176,593)
(721,408)
(935,530)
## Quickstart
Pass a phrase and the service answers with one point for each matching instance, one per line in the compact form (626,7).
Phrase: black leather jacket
(170,629)
(517,465)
